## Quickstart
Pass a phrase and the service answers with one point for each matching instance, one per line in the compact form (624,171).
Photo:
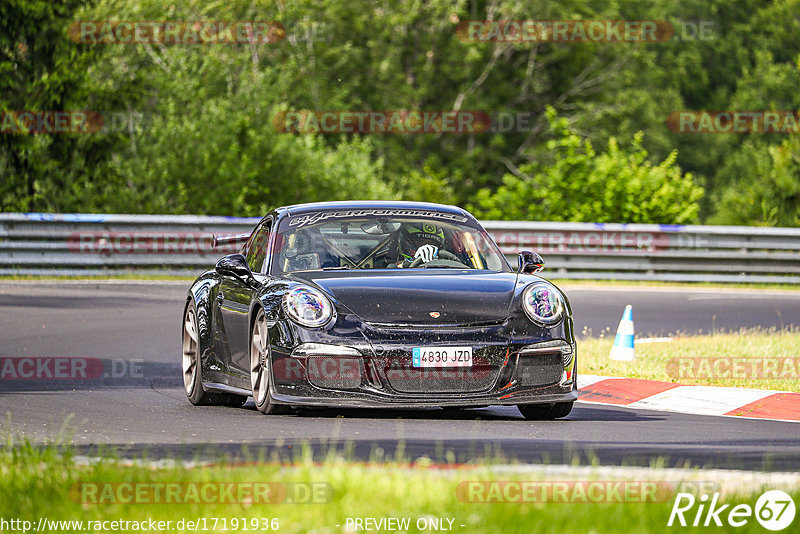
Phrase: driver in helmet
(418,241)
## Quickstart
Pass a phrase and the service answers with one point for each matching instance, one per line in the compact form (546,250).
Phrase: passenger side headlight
(542,303)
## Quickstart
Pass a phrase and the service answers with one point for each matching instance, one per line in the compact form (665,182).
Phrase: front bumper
(541,371)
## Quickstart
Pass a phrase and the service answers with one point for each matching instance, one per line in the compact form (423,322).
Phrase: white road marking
(703,400)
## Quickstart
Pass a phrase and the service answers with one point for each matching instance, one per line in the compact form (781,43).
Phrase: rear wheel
(192,380)
(191,366)
(260,368)
(539,412)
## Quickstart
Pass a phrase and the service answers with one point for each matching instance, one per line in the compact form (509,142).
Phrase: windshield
(335,241)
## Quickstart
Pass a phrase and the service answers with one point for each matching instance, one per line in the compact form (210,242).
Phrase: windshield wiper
(340,268)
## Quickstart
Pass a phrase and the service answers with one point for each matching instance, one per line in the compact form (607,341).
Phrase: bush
(764,186)
(617,185)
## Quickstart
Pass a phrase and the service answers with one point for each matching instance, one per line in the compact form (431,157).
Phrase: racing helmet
(415,235)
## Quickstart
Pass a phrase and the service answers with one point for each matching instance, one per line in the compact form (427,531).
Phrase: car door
(234,298)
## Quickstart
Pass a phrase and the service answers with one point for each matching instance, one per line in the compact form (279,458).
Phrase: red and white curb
(701,400)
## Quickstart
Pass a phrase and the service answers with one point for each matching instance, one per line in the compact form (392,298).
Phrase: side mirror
(235,265)
(530,262)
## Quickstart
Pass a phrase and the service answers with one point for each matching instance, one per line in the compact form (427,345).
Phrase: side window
(257,247)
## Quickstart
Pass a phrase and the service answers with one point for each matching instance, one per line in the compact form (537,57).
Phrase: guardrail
(88,244)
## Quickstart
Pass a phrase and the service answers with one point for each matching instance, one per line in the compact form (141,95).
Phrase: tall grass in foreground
(40,482)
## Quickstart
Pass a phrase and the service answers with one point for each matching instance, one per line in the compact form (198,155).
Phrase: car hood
(416,296)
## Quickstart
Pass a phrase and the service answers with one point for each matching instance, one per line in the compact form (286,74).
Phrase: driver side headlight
(542,303)
(307,307)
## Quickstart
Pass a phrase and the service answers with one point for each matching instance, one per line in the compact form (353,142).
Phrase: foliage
(767,190)
(41,70)
(582,185)
(201,137)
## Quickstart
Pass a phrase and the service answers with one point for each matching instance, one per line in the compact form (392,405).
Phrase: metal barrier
(88,244)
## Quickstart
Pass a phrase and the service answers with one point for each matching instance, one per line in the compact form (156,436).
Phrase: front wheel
(540,412)
(260,368)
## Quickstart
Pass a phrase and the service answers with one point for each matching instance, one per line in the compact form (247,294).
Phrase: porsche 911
(377,305)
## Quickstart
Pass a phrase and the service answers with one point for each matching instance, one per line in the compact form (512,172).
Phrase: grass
(47,483)
(695,359)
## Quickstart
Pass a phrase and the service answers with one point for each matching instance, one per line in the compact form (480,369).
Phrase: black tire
(541,412)
(193,370)
(260,360)
(190,363)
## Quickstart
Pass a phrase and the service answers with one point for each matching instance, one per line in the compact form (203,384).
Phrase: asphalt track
(138,404)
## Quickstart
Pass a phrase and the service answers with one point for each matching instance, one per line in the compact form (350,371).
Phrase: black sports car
(377,304)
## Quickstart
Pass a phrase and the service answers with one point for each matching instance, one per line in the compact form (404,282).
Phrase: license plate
(441,357)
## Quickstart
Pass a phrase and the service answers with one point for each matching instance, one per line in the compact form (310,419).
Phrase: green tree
(41,70)
(579,184)
(767,190)
(204,140)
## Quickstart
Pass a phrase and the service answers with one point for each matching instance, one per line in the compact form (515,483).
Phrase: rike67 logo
(774,510)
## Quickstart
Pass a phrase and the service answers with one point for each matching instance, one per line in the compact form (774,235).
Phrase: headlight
(307,307)
(542,302)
